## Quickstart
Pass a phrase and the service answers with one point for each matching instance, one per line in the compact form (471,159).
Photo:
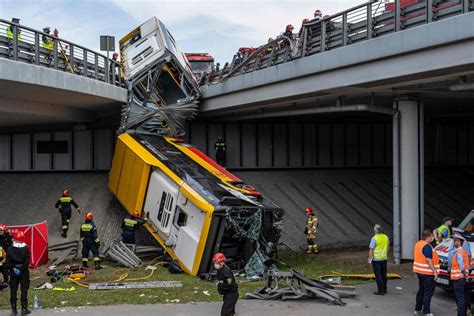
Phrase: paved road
(399,301)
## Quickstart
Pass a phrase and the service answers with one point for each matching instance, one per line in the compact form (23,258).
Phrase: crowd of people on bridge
(289,34)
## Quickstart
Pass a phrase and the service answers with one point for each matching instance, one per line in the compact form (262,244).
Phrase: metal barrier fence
(24,44)
(360,23)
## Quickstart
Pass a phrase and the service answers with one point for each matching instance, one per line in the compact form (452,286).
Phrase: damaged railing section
(358,24)
(157,102)
(294,285)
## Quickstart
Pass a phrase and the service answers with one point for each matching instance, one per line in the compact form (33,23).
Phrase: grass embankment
(344,261)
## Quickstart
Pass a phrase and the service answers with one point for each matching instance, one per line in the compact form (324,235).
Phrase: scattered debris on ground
(122,254)
(67,249)
(294,285)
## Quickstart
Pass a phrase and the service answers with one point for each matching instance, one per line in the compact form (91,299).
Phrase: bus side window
(162,204)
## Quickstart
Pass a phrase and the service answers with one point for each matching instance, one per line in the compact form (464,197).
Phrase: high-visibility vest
(381,247)
(440,229)
(47,42)
(420,264)
(456,272)
(10,34)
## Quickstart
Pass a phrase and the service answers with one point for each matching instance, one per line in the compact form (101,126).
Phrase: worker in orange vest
(426,267)
(459,266)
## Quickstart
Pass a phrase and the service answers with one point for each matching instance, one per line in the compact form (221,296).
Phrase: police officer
(90,242)
(6,241)
(459,267)
(129,226)
(220,148)
(64,204)
(311,229)
(226,285)
(445,230)
(18,259)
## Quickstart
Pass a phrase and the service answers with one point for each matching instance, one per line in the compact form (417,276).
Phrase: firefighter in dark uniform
(18,259)
(6,240)
(90,242)
(65,204)
(311,229)
(129,226)
(220,148)
(226,285)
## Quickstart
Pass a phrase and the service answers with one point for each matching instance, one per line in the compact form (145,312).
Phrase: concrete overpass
(62,86)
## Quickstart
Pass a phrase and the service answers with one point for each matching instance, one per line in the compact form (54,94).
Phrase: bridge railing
(24,44)
(360,23)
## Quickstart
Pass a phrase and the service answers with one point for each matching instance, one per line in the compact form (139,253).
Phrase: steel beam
(309,111)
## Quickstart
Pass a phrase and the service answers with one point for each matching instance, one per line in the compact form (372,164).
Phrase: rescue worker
(18,260)
(378,250)
(426,267)
(47,41)
(6,240)
(220,148)
(270,48)
(129,226)
(9,30)
(318,15)
(289,32)
(65,204)
(311,229)
(90,242)
(113,68)
(459,267)
(445,230)
(300,33)
(226,285)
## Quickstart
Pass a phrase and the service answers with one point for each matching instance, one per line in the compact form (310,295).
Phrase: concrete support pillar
(411,176)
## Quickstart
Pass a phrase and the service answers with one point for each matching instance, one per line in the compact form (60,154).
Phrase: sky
(218,27)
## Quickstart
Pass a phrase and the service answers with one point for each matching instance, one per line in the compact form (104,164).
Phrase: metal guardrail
(24,44)
(360,23)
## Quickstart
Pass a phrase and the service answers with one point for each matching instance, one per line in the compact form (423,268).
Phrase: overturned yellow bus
(195,207)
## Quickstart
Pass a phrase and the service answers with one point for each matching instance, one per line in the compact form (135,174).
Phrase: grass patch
(344,261)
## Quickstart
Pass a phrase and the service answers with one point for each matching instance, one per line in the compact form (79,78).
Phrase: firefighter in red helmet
(226,285)
(90,242)
(311,229)
(18,260)
(289,31)
(65,204)
(130,226)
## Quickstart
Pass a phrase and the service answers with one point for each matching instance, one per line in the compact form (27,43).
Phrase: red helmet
(66,192)
(289,28)
(19,236)
(219,258)
(305,21)
(318,13)
(3,227)
(89,216)
(309,210)
(136,214)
